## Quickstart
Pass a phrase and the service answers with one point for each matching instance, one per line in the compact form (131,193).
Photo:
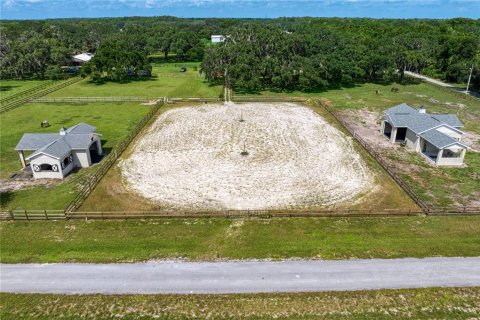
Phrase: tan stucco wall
(450,161)
(411,139)
(81,158)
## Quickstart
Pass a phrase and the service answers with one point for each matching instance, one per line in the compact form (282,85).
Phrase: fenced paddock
(89,184)
(391,172)
(37,93)
(26,92)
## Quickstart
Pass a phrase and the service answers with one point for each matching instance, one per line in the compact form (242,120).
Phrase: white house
(217,38)
(436,136)
(54,155)
(82,57)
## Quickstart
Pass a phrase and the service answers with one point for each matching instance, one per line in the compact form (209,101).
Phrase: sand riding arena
(246,156)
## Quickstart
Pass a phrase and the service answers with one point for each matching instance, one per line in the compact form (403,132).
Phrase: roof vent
(63,131)
(422,109)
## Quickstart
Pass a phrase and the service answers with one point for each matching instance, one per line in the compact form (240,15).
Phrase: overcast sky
(41,9)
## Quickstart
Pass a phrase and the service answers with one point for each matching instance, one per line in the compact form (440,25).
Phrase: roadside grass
(166,80)
(439,186)
(11,87)
(429,303)
(111,194)
(106,241)
(113,120)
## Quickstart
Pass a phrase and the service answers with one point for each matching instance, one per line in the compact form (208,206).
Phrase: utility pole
(469,78)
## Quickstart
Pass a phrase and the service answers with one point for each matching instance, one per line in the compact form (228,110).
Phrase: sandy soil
(190,158)
(13,185)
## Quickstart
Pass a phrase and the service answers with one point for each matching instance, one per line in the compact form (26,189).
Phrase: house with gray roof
(435,136)
(54,155)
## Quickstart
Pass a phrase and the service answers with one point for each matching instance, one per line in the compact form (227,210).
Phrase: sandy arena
(191,159)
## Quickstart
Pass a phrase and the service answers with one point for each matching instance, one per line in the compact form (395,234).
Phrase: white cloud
(9,4)
(150,3)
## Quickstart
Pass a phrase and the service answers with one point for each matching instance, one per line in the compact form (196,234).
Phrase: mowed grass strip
(166,80)
(212,239)
(431,303)
(113,120)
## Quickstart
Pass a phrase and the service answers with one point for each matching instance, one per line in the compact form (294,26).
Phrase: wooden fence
(37,94)
(26,92)
(192,99)
(34,215)
(90,99)
(92,180)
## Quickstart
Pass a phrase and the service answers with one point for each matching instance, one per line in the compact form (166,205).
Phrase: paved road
(237,277)
(440,83)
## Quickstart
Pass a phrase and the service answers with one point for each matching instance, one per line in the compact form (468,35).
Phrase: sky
(43,9)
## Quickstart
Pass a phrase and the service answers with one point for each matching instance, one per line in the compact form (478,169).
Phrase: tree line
(281,54)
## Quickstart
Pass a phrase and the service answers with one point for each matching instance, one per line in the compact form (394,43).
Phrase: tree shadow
(5,198)
(7,88)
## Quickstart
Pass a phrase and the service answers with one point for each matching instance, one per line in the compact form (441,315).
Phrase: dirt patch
(366,124)
(191,158)
(14,185)
(472,140)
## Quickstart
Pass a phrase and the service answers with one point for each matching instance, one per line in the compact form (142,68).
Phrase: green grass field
(432,303)
(167,80)
(439,186)
(113,120)
(209,239)
(11,87)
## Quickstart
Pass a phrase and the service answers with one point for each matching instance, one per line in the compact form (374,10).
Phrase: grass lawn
(439,186)
(113,120)
(209,239)
(11,87)
(167,80)
(431,303)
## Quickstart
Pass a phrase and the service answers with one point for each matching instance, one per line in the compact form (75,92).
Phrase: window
(46,167)
(447,153)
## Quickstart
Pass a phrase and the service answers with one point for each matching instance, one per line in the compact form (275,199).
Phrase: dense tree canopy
(285,53)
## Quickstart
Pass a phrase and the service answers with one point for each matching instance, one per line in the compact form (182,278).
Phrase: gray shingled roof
(449,119)
(406,116)
(79,141)
(57,145)
(81,128)
(439,139)
(34,141)
(57,149)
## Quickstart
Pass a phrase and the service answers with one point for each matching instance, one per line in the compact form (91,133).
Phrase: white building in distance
(82,57)
(217,38)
